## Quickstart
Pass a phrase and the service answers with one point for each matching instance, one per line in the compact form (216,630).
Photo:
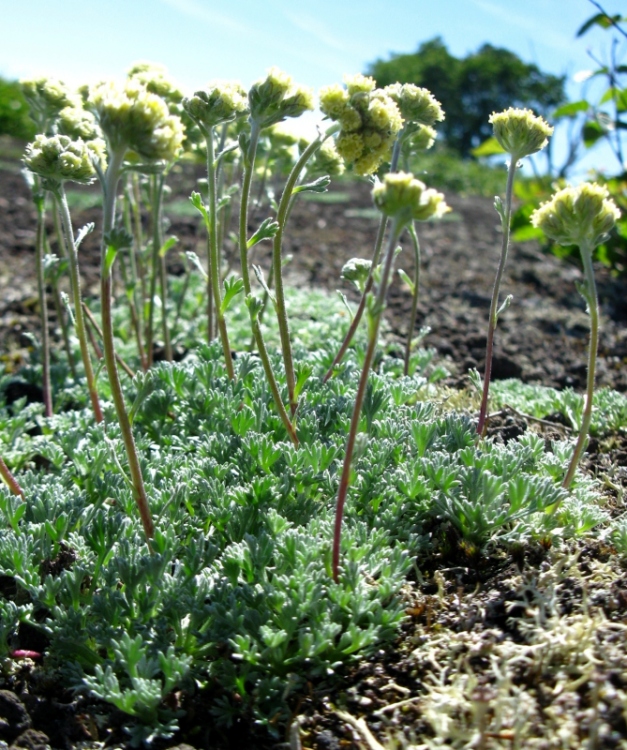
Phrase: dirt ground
(467,609)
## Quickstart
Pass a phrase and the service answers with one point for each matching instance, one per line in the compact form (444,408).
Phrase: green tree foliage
(14,119)
(471,88)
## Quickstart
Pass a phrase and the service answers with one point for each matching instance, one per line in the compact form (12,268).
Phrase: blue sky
(316,42)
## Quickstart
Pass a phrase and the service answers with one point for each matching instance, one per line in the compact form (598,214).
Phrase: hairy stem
(593,307)
(112,177)
(10,480)
(243,251)
(214,286)
(505,223)
(43,303)
(414,300)
(75,282)
(373,336)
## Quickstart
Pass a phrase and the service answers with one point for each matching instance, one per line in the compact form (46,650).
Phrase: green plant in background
(581,216)
(14,112)
(520,133)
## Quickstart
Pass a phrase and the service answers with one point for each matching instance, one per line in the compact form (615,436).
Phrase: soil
(463,613)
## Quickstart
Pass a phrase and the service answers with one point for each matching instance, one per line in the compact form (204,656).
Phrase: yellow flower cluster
(520,132)
(580,216)
(46,98)
(417,105)
(276,97)
(406,199)
(369,119)
(58,158)
(154,78)
(132,118)
(77,122)
(220,102)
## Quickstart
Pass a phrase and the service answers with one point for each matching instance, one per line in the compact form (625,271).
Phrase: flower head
(417,105)
(404,198)
(276,97)
(369,120)
(327,161)
(46,98)
(580,215)
(58,158)
(520,132)
(155,79)
(77,122)
(133,118)
(220,102)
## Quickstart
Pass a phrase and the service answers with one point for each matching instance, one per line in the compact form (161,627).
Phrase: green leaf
(167,245)
(110,257)
(591,132)
(526,233)
(407,280)
(232,287)
(599,19)
(490,147)
(269,227)
(320,185)
(571,109)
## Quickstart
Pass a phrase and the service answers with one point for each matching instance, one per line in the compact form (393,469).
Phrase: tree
(473,87)
(14,118)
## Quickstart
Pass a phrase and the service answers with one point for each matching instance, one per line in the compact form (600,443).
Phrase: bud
(222,101)
(133,118)
(580,216)
(520,132)
(420,138)
(357,270)
(404,198)
(417,105)
(59,158)
(276,97)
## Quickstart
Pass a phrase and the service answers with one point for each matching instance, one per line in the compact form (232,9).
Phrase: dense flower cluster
(580,215)
(276,97)
(406,199)
(369,119)
(132,118)
(155,79)
(416,105)
(520,132)
(327,161)
(221,101)
(77,122)
(59,158)
(46,98)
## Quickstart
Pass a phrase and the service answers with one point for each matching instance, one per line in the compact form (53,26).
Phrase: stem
(414,302)
(139,493)
(362,302)
(11,481)
(70,248)
(284,205)
(243,251)
(156,269)
(43,305)
(98,329)
(505,222)
(132,297)
(593,306)
(361,392)
(396,152)
(214,289)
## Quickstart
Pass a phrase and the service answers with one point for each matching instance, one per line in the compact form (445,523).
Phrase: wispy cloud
(210,16)
(545,35)
(317,29)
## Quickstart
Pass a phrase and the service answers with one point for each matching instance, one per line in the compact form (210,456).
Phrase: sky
(82,41)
